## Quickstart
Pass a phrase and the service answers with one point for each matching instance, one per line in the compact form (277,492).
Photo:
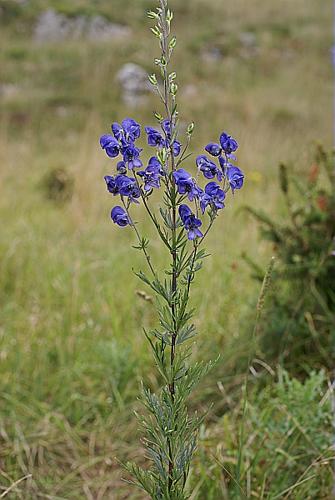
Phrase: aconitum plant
(189,205)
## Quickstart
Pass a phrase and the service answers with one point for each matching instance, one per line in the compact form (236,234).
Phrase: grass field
(71,348)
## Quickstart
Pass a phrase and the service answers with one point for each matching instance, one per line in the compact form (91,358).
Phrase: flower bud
(169,15)
(156,31)
(152,15)
(158,116)
(173,42)
(152,79)
(190,129)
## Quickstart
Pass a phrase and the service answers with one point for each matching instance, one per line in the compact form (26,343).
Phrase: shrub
(298,326)
(58,185)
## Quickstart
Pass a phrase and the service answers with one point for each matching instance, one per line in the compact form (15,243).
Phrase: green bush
(298,327)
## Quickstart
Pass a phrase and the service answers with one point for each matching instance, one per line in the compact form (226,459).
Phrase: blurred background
(71,347)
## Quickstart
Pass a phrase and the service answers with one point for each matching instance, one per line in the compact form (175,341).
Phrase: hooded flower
(122,140)
(235,177)
(131,156)
(223,163)
(121,167)
(190,222)
(132,129)
(110,145)
(208,168)
(152,174)
(117,131)
(213,196)
(120,217)
(155,138)
(127,132)
(213,149)
(176,148)
(166,126)
(111,184)
(127,187)
(228,144)
(186,184)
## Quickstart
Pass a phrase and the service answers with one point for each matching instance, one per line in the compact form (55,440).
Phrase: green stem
(157,226)
(147,256)
(173,250)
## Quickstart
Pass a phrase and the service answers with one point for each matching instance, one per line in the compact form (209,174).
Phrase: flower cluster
(151,176)
(131,183)
(163,140)
(227,175)
(123,142)
(190,222)
(129,187)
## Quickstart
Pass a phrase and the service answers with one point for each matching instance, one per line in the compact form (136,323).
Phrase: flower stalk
(171,432)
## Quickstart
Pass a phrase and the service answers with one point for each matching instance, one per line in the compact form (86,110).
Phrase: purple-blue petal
(213,149)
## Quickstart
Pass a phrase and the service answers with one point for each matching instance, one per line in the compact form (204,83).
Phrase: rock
(54,27)
(100,29)
(9,90)
(212,54)
(134,83)
(51,27)
(248,40)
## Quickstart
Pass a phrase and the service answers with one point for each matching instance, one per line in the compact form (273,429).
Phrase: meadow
(72,352)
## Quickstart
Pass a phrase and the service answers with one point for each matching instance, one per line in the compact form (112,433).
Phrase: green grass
(71,348)
(282,454)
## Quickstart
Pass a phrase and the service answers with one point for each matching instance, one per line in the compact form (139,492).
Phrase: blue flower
(120,217)
(124,138)
(110,145)
(223,163)
(152,174)
(132,129)
(208,168)
(155,138)
(128,132)
(213,149)
(176,147)
(213,196)
(127,187)
(111,184)
(228,144)
(235,177)
(186,184)
(117,131)
(184,212)
(190,222)
(166,126)
(131,156)
(123,185)
(121,167)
